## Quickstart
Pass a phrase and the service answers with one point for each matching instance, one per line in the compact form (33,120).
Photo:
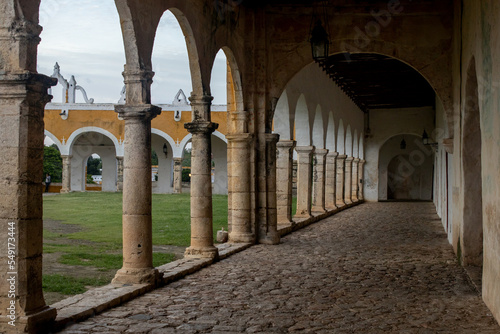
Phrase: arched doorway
(405,169)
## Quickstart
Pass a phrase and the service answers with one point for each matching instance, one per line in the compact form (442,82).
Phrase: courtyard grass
(99,216)
(94,234)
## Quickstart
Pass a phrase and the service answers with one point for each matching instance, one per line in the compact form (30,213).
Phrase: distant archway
(405,171)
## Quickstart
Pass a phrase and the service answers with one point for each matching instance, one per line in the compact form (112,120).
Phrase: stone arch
(282,118)
(164,183)
(405,173)
(318,135)
(302,123)
(235,101)
(199,87)
(81,145)
(330,133)
(355,145)
(341,138)
(96,140)
(54,139)
(168,139)
(348,141)
(437,74)
(472,227)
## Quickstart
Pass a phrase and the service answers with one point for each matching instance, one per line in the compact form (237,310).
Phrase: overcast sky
(84,37)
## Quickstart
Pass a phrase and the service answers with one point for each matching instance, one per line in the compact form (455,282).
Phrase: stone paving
(375,268)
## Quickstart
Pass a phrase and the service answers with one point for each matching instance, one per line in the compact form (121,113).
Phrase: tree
(52,163)
(154,158)
(94,166)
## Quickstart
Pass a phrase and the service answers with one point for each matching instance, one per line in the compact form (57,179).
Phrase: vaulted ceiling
(375,81)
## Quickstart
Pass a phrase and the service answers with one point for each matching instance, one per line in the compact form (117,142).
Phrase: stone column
(348,180)
(22,98)
(268,228)
(284,172)
(201,128)
(361,170)
(137,224)
(355,180)
(331,177)
(66,174)
(177,175)
(304,181)
(339,191)
(119,174)
(318,198)
(239,181)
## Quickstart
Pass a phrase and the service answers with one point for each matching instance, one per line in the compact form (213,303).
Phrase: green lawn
(96,241)
(100,216)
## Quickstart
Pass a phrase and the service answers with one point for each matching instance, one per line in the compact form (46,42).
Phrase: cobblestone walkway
(375,268)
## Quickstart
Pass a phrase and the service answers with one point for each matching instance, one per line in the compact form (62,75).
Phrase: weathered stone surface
(355,272)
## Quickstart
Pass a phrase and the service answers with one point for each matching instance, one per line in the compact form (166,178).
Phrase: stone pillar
(331,177)
(239,181)
(348,180)
(268,228)
(119,174)
(66,174)
(304,181)
(318,198)
(355,181)
(361,170)
(23,98)
(177,175)
(339,191)
(137,224)
(201,128)
(284,172)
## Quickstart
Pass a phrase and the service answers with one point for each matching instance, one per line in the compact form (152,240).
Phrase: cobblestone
(375,268)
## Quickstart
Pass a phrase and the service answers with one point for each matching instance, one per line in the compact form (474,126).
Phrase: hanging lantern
(320,43)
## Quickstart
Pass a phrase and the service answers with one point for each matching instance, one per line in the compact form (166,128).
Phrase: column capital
(341,157)
(304,149)
(19,85)
(320,151)
(239,137)
(201,127)
(332,154)
(362,161)
(286,144)
(356,160)
(137,112)
(272,137)
(349,159)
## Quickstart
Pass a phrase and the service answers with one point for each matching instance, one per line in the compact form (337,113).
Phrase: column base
(64,191)
(347,201)
(202,253)
(318,209)
(341,204)
(235,237)
(270,239)
(136,276)
(38,322)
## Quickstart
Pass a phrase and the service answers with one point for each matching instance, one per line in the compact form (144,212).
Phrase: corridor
(376,268)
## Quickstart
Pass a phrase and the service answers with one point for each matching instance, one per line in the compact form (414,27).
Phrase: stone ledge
(298,223)
(80,307)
